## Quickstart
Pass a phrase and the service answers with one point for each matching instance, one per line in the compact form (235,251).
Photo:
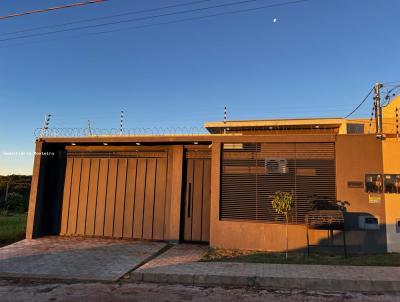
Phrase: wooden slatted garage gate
(115,194)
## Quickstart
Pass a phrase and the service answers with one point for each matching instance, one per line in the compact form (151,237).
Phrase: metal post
(397,124)
(45,125)
(308,243)
(121,128)
(7,188)
(370,120)
(89,128)
(378,110)
(344,240)
(225,119)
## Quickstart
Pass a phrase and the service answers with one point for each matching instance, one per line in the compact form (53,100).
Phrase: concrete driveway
(74,258)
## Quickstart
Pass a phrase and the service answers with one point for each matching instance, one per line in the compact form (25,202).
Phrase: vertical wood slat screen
(247,184)
(121,197)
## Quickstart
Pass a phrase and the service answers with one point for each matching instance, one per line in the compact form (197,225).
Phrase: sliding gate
(115,194)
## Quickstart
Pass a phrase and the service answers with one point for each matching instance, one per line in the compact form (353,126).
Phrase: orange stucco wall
(251,235)
(391,165)
(357,155)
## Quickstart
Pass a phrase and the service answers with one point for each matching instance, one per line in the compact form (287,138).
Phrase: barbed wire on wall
(184,130)
(139,131)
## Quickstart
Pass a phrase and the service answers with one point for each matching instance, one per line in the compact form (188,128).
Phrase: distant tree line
(14,193)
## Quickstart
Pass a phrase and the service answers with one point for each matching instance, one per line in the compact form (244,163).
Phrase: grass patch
(226,255)
(12,228)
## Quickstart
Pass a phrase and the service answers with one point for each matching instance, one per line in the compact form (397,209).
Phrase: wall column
(215,189)
(35,197)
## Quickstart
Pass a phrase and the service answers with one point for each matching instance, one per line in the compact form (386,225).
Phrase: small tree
(282,203)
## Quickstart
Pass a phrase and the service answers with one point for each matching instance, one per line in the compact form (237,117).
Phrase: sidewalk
(179,265)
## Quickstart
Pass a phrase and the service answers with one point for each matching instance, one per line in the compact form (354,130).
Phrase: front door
(196,203)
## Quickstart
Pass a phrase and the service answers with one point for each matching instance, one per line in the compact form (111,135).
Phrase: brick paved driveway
(74,258)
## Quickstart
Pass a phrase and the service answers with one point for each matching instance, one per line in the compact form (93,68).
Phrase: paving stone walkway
(179,266)
(176,256)
(74,258)
(108,260)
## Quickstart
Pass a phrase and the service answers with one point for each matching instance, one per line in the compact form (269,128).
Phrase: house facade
(217,188)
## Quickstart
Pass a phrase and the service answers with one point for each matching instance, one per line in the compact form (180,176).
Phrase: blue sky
(318,60)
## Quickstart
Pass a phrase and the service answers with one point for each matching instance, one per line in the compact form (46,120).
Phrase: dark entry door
(197,200)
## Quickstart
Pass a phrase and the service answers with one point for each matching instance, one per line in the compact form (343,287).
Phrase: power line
(391,83)
(104,17)
(163,23)
(362,102)
(138,19)
(396,84)
(391,93)
(51,9)
(200,17)
(153,17)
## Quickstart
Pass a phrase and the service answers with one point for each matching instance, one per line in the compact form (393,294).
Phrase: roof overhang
(201,139)
(331,123)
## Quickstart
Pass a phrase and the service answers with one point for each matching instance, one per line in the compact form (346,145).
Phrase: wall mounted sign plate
(374,198)
(355,184)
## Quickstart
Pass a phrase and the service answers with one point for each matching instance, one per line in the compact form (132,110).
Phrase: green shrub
(15,203)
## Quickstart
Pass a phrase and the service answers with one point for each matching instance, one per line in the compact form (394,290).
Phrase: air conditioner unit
(276,166)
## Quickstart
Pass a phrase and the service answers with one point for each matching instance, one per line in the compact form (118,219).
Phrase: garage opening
(115,194)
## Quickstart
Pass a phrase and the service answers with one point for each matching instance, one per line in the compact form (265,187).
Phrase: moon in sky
(274,20)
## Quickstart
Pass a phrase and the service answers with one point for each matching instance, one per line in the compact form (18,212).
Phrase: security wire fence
(368,127)
(139,131)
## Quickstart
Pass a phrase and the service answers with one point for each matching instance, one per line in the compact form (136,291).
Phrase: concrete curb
(56,278)
(339,285)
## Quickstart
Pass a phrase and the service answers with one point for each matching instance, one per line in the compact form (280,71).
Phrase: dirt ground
(44,291)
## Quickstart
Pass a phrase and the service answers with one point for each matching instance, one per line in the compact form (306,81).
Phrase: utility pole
(378,111)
